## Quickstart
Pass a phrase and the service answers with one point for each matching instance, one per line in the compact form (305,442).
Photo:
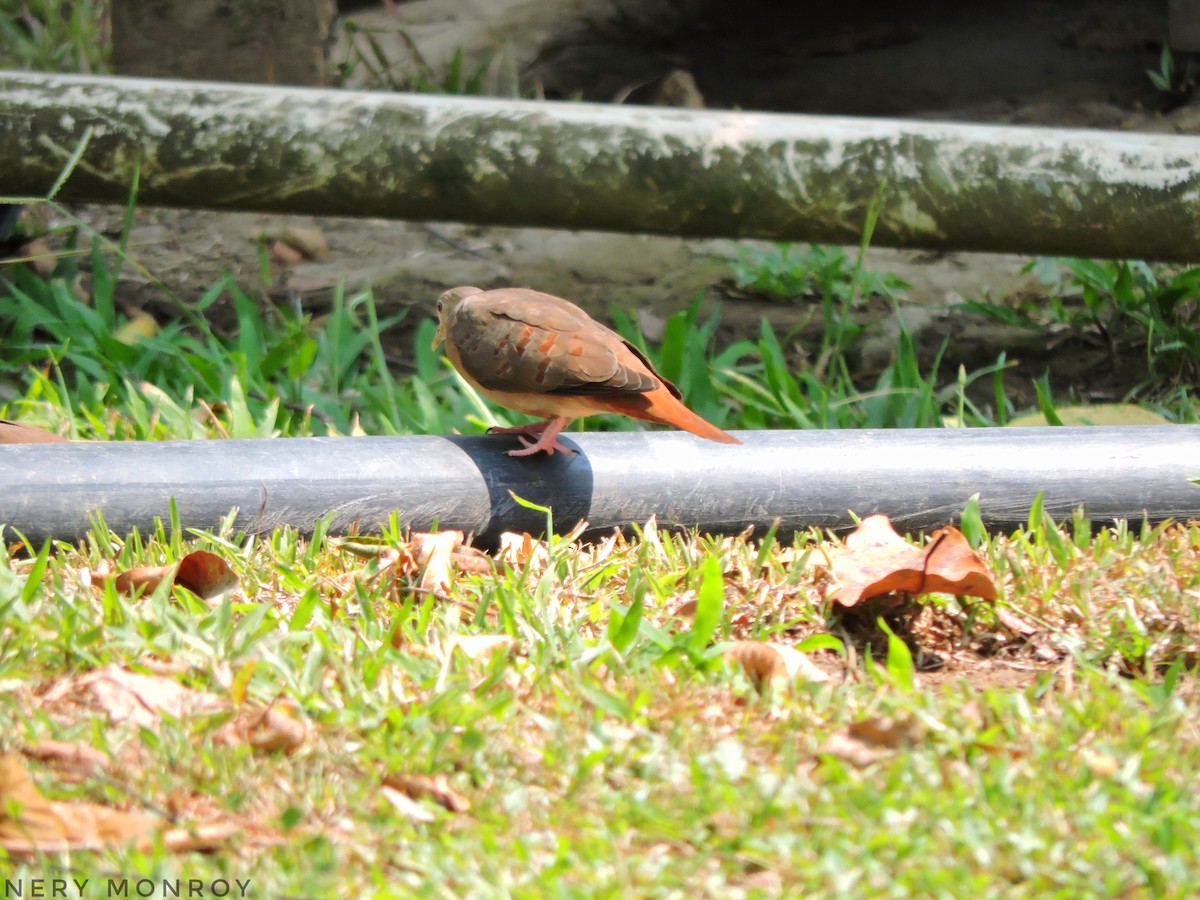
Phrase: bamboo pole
(694,173)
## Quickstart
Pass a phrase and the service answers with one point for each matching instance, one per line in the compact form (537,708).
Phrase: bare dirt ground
(1051,62)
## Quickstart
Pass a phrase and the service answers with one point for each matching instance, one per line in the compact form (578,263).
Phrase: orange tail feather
(662,407)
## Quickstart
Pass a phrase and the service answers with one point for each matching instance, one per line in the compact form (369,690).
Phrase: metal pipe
(921,478)
(696,173)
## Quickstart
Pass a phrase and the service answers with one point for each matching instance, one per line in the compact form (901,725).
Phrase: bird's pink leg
(548,441)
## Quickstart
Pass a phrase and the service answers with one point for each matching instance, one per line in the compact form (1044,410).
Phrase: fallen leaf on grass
(82,756)
(425,787)
(870,740)
(140,699)
(1100,764)
(407,806)
(875,561)
(32,824)
(883,731)
(277,726)
(518,549)
(773,665)
(857,753)
(478,646)
(686,607)
(204,574)
(471,559)
(434,552)
(441,554)
(203,838)
(1014,623)
(437,556)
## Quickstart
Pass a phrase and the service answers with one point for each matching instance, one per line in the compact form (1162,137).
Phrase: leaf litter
(586,579)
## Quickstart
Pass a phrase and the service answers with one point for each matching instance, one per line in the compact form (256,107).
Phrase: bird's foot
(548,441)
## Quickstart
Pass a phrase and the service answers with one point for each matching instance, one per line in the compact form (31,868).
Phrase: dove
(544,356)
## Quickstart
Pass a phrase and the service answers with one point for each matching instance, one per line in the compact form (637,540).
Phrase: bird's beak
(439,335)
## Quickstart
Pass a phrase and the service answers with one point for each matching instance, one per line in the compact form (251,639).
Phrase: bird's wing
(16,433)
(517,340)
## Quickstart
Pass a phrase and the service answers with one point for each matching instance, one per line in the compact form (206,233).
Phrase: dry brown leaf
(773,665)
(876,561)
(285,254)
(402,559)
(478,646)
(39,256)
(1102,765)
(39,825)
(393,561)
(144,578)
(308,241)
(16,433)
(407,806)
(31,824)
(435,553)
(1016,624)
(140,699)
(847,749)
(953,567)
(686,607)
(518,549)
(803,556)
(471,559)
(82,756)
(200,838)
(203,573)
(870,740)
(882,731)
(277,726)
(436,788)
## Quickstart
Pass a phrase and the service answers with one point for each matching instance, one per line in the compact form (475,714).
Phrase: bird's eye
(440,305)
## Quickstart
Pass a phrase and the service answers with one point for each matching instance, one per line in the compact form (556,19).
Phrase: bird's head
(447,307)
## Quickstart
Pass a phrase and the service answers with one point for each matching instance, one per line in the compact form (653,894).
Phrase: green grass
(1132,306)
(371,63)
(596,766)
(50,36)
